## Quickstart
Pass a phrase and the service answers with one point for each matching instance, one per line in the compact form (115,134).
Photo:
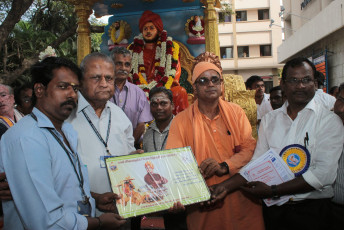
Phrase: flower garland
(165,63)
(48,52)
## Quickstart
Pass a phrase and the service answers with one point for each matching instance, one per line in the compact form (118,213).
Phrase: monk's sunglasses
(203,81)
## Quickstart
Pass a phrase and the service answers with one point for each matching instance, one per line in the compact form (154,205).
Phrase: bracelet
(99,223)
(274,192)
(224,164)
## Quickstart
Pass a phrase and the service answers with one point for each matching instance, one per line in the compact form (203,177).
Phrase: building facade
(314,29)
(248,45)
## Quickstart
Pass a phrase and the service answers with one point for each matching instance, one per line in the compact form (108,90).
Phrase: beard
(153,40)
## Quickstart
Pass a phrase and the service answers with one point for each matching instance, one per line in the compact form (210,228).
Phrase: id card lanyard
(80,177)
(125,100)
(105,143)
(162,145)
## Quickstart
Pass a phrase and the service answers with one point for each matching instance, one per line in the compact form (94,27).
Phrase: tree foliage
(44,23)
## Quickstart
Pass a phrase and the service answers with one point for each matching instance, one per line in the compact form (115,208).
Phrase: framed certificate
(152,182)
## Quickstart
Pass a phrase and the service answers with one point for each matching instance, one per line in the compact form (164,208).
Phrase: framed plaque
(152,182)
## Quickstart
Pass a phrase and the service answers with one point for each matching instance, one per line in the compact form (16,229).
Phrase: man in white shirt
(103,128)
(262,99)
(321,97)
(300,121)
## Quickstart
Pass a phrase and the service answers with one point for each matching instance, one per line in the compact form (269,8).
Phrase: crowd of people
(52,161)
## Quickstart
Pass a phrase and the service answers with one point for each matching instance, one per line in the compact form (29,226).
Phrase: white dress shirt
(90,148)
(324,99)
(264,107)
(325,132)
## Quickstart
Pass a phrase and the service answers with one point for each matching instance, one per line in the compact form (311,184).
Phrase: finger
(118,217)
(6,198)
(210,171)
(4,186)
(218,197)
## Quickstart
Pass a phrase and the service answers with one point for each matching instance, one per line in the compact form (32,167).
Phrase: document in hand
(270,169)
(152,182)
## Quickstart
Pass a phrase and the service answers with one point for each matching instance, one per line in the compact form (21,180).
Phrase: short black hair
(119,50)
(42,72)
(333,88)
(275,89)
(249,82)
(156,90)
(21,83)
(341,87)
(296,62)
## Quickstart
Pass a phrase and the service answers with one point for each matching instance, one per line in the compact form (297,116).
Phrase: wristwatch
(224,164)
(275,196)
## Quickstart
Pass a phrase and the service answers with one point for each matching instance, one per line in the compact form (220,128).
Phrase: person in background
(334,90)
(276,97)
(8,114)
(23,94)
(262,99)
(321,97)
(129,97)
(338,188)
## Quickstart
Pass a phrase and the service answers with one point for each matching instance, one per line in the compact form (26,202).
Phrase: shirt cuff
(82,222)
(312,180)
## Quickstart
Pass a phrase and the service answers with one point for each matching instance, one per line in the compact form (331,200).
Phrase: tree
(46,23)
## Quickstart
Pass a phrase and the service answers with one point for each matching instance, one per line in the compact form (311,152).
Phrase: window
(226,52)
(243,51)
(224,17)
(241,16)
(265,50)
(263,14)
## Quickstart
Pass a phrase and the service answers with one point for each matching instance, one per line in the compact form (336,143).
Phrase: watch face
(297,158)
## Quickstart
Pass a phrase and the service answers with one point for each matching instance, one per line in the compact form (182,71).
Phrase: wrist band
(224,164)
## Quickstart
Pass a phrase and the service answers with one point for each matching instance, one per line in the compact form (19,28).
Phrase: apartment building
(248,45)
(315,29)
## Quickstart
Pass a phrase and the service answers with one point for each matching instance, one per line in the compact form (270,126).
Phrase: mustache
(123,72)
(69,102)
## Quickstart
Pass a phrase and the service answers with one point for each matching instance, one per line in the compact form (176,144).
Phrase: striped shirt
(339,184)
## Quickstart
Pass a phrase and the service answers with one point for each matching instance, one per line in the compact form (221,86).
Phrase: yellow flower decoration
(175,50)
(169,82)
(142,79)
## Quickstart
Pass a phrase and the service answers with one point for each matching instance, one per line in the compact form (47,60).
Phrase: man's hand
(139,151)
(111,221)
(106,202)
(177,207)
(257,189)
(210,167)
(5,193)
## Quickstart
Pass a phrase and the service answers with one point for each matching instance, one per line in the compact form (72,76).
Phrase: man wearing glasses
(317,134)
(220,136)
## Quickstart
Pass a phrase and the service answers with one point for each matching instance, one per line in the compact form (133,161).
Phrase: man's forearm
(296,186)
(138,132)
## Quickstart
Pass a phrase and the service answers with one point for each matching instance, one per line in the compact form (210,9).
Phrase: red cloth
(149,16)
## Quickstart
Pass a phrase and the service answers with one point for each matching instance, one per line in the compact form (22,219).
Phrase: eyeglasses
(304,81)
(205,81)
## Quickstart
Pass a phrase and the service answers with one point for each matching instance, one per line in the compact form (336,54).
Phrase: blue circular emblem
(297,158)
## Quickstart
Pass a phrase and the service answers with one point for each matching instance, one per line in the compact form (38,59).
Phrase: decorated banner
(154,181)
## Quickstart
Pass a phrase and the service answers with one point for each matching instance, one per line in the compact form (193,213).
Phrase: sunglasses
(205,81)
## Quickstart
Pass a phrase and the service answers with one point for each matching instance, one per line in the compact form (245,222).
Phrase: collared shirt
(121,141)
(325,144)
(135,103)
(338,187)
(324,99)
(264,107)
(152,135)
(43,182)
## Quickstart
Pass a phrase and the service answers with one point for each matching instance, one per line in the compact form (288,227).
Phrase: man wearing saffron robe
(220,136)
